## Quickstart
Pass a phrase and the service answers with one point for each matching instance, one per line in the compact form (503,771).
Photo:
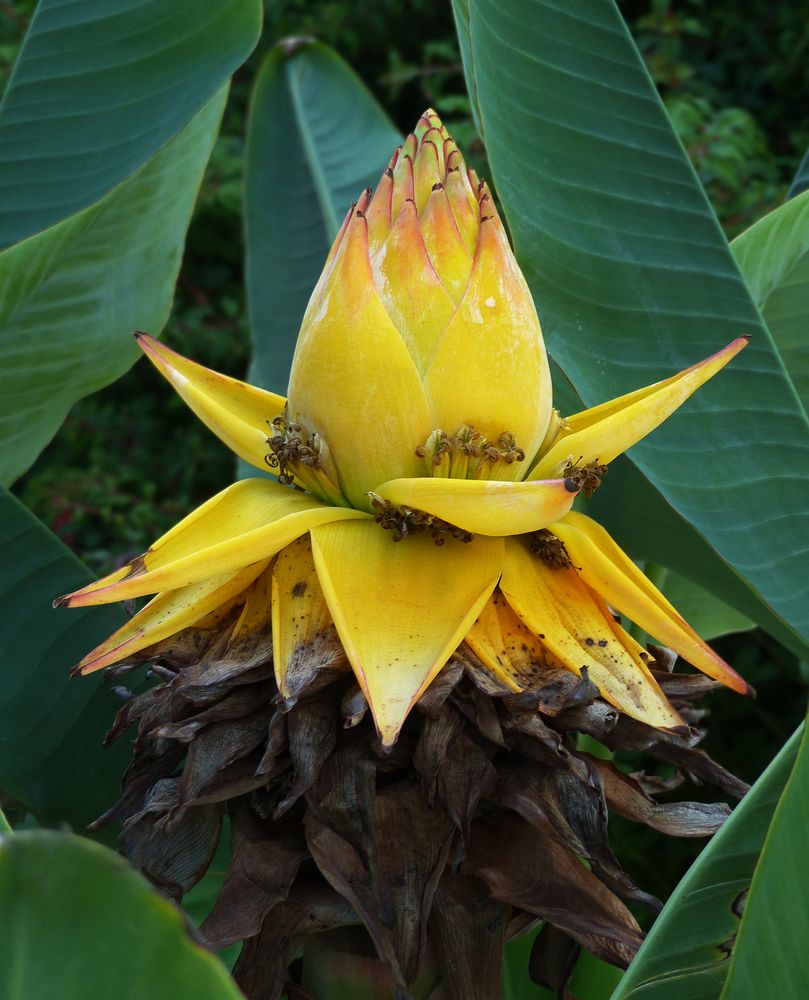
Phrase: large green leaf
(770,958)
(316,139)
(634,279)
(774,258)
(79,922)
(99,87)
(70,297)
(685,956)
(51,728)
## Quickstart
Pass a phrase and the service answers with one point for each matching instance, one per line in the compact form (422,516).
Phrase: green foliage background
(131,459)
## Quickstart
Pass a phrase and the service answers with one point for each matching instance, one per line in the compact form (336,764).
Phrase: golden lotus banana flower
(425,484)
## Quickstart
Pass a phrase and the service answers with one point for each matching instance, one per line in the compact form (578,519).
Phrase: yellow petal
(353,380)
(415,298)
(490,370)
(445,246)
(484,506)
(244,524)
(239,414)
(167,614)
(603,432)
(605,567)
(401,608)
(303,635)
(507,647)
(580,632)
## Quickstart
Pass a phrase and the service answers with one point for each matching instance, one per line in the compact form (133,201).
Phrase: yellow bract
(604,432)
(579,631)
(169,613)
(420,362)
(606,568)
(484,506)
(490,370)
(369,423)
(397,645)
(247,522)
(238,413)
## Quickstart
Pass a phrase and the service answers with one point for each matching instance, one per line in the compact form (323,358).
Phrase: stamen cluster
(302,460)
(587,478)
(468,454)
(550,549)
(404,521)
(289,449)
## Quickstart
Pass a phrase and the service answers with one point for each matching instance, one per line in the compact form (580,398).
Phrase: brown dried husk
(483,820)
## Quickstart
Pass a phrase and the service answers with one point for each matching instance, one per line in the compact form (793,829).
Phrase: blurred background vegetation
(131,460)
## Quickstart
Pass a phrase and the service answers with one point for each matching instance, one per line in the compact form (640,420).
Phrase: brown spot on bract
(299,589)
(136,566)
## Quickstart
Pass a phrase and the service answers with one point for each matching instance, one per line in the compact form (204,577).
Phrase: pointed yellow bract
(247,522)
(490,371)
(372,425)
(167,614)
(410,288)
(604,432)
(401,608)
(608,570)
(379,209)
(462,201)
(303,634)
(507,647)
(556,605)
(484,506)
(239,414)
(427,169)
(445,246)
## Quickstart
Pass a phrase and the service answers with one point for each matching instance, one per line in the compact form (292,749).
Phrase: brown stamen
(550,549)
(587,477)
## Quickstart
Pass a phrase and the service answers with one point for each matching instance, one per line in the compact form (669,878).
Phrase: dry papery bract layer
(468,831)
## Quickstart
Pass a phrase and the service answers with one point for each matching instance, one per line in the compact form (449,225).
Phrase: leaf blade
(765,960)
(82,111)
(51,728)
(71,296)
(68,907)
